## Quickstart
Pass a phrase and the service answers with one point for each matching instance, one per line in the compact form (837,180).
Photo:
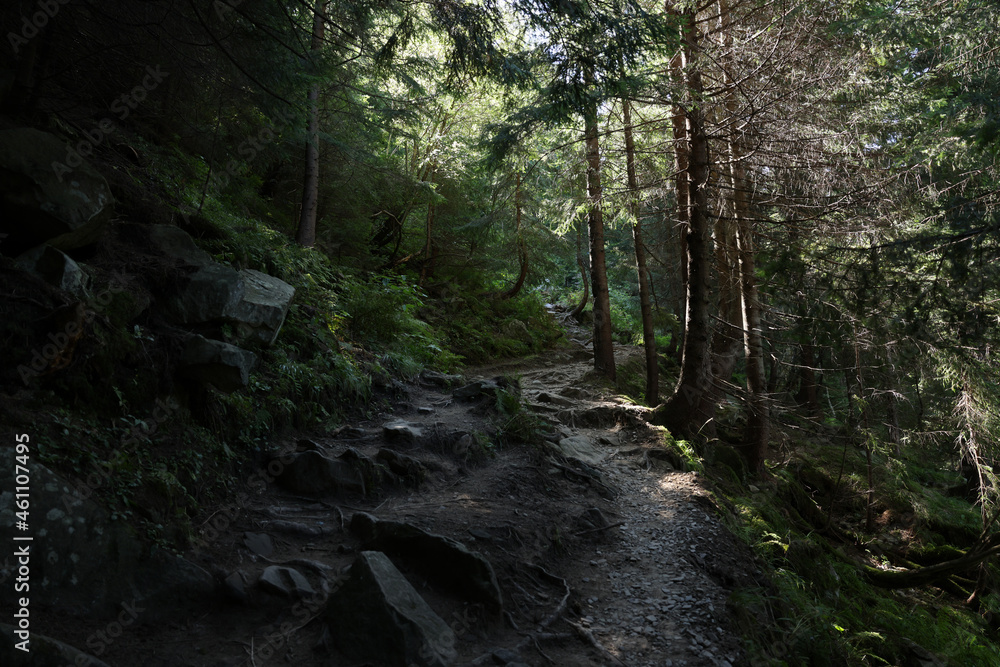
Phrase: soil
(621,562)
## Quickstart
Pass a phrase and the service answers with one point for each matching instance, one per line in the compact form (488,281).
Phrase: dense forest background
(792,207)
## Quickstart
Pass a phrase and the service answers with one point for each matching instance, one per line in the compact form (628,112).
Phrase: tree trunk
(604,353)
(682,413)
(427,268)
(756,433)
(758,425)
(807,395)
(682,195)
(584,279)
(727,341)
(306,235)
(522,248)
(648,334)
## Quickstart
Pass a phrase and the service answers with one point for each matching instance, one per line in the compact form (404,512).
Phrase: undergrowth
(820,609)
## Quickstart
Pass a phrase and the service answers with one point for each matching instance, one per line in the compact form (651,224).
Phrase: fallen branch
(933,573)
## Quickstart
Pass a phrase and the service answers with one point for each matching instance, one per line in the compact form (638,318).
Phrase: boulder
(43,652)
(378,617)
(545,397)
(312,473)
(285,581)
(84,564)
(259,543)
(66,206)
(581,447)
(409,470)
(222,365)
(261,311)
(403,433)
(234,587)
(476,389)
(173,242)
(449,562)
(209,292)
(205,291)
(56,268)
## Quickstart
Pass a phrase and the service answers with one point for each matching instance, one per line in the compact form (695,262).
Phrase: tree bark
(758,425)
(584,279)
(306,235)
(683,412)
(646,309)
(682,195)
(808,396)
(522,248)
(604,353)
(426,268)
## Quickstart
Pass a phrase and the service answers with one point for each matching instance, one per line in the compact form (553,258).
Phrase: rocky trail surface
(415,538)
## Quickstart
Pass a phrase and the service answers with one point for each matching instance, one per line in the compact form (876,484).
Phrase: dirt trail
(614,562)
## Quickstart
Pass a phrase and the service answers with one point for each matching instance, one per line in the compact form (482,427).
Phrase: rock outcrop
(377,616)
(443,559)
(224,366)
(48,193)
(56,268)
(84,563)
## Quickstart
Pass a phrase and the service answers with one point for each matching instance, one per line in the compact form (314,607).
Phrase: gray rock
(574,392)
(285,581)
(409,470)
(222,365)
(234,587)
(43,651)
(82,562)
(474,390)
(206,291)
(211,293)
(166,584)
(253,302)
(503,656)
(172,242)
(258,316)
(402,432)
(67,207)
(56,268)
(259,543)
(545,397)
(582,448)
(443,559)
(377,616)
(312,473)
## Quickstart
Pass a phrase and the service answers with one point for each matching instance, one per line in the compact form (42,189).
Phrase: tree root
(588,636)
(540,633)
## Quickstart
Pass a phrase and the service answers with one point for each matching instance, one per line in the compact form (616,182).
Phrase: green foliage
(514,424)
(827,612)
(483,328)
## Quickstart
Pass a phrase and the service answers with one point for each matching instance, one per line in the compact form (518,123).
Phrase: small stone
(235,586)
(503,656)
(402,432)
(259,543)
(285,581)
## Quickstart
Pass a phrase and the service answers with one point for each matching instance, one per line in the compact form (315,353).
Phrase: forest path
(618,560)
(653,589)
